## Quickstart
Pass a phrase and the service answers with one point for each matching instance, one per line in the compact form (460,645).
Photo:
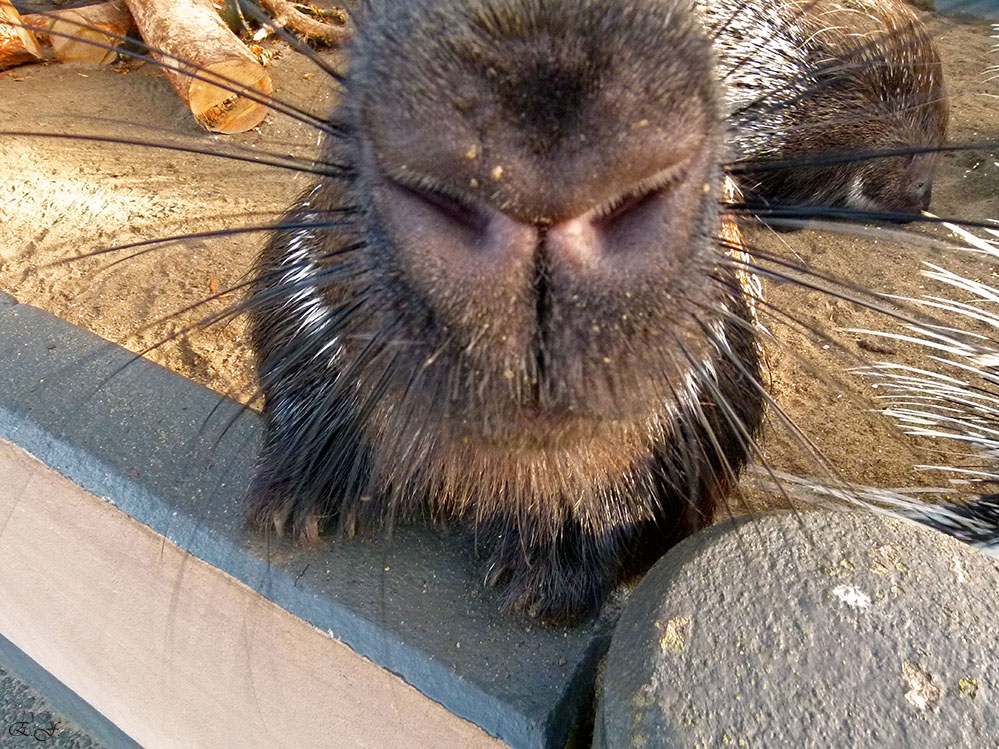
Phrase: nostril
(440,235)
(630,205)
(620,208)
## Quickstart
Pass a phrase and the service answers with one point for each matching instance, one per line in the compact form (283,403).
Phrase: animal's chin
(563,398)
(534,426)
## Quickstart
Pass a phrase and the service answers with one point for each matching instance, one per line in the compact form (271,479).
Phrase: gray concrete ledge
(177,457)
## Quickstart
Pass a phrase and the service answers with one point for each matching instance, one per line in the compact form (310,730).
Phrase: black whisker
(335,171)
(151,244)
(745,166)
(187,66)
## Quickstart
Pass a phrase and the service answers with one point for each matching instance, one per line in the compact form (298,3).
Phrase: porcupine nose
(916,200)
(580,246)
(477,249)
(576,244)
(924,190)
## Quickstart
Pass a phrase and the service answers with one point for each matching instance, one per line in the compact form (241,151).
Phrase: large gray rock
(818,629)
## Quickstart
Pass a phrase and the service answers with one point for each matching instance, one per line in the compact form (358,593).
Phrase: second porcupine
(812,84)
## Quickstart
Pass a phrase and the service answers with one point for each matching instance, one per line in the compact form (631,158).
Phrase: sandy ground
(65,198)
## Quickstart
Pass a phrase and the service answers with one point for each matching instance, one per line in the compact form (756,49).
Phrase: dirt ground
(64,198)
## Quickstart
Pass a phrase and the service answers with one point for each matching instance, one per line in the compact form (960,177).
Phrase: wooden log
(285,14)
(188,36)
(73,30)
(17,44)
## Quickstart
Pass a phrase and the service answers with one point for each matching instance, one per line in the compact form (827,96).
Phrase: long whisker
(188,68)
(329,170)
(745,166)
(231,145)
(153,244)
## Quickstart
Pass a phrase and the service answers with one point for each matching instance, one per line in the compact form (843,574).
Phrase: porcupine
(523,324)
(716,462)
(813,84)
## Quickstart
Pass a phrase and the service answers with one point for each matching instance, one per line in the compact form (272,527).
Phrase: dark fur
(544,405)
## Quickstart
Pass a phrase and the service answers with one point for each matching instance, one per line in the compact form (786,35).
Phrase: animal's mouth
(534,428)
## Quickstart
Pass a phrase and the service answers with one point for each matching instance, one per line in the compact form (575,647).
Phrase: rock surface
(817,629)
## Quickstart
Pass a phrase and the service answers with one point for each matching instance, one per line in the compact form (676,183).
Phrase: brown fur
(842,78)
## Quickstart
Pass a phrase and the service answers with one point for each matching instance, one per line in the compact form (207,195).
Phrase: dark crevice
(542,300)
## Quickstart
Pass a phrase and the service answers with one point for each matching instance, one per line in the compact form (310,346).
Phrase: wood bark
(17,44)
(188,37)
(77,35)
(285,14)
